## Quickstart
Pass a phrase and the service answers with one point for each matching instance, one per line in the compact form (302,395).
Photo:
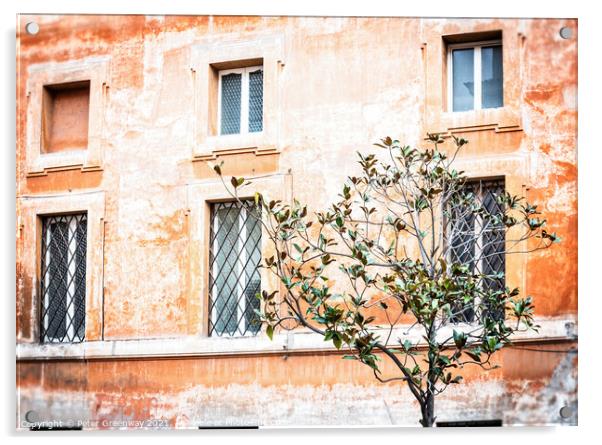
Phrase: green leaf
(473,355)
(270,331)
(459,339)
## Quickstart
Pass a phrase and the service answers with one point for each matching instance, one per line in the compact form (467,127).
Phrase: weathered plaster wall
(343,83)
(315,389)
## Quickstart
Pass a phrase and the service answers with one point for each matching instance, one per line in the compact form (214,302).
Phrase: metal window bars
(478,240)
(234,279)
(63,278)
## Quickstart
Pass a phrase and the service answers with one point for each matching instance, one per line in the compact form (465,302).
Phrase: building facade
(123,279)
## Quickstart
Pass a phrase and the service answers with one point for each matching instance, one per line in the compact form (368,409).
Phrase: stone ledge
(557,329)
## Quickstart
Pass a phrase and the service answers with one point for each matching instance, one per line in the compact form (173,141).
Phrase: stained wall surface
(333,86)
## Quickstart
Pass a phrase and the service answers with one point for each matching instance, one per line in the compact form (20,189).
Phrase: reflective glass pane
(492,77)
(230,100)
(463,79)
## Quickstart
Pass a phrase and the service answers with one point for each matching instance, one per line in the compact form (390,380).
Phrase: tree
(414,241)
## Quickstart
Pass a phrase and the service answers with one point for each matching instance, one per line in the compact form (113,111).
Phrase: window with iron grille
(479,241)
(234,279)
(63,278)
(240,103)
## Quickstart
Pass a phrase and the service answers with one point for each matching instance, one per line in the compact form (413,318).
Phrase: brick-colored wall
(334,86)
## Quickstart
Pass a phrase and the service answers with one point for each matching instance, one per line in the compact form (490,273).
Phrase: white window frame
(244,99)
(476,46)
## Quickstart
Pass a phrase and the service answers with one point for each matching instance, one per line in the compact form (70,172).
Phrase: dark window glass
(479,241)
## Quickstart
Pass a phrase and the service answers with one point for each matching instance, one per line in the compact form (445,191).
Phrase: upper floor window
(234,279)
(477,240)
(475,76)
(63,278)
(240,100)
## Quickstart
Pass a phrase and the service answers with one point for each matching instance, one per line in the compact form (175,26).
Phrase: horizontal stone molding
(299,341)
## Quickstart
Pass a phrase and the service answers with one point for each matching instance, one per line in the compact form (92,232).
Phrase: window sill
(499,119)
(215,146)
(292,342)
(502,119)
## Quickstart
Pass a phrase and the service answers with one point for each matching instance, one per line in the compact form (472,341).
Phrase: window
(240,103)
(63,278)
(65,117)
(479,242)
(234,279)
(475,76)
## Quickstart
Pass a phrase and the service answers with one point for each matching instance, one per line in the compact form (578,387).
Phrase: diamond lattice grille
(234,277)
(230,100)
(479,241)
(63,278)
(256,101)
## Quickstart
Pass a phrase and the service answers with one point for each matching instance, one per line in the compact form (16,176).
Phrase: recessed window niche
(65,117)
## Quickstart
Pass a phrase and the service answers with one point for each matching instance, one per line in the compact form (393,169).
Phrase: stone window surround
(93,69)
(32,209)
(477,46)
(200,196)
(437,117)
(498,167)
(206,61)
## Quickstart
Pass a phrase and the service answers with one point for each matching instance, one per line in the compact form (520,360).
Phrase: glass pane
(492,77)
(463,79)
(256,101)
(225,286)
(79,317)
(253,255)
(463,247)
(57,283)
(230,100)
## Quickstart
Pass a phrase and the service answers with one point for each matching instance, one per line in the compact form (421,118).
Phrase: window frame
(244,100)
(476,46)
(478,241)
(71,336)
(241,303)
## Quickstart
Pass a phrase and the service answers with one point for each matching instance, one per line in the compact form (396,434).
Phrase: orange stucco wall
(342,83)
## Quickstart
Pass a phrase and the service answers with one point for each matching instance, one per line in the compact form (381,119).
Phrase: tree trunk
(428,410)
